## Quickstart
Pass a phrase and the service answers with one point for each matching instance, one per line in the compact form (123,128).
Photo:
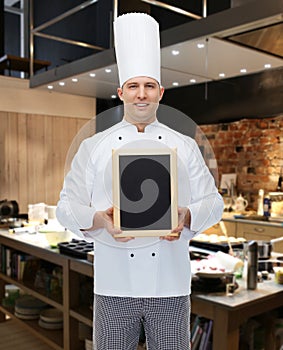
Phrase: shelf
(76,274)
(82,314)
(37,293)
(46,254)
(83,267)
(54,338)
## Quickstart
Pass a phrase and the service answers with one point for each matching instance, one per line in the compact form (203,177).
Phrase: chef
(142,280)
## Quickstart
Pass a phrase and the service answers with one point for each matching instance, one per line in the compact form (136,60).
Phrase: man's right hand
(104,219)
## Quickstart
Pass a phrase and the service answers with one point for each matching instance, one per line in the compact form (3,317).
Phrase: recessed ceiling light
(92,75)
(108,70)
(222,75)
(200,45)
(75,80)
(175,52)
(50,87)
(193,80)
(61,83)
(267,65)
(113,96)
(175,83)
(243,70)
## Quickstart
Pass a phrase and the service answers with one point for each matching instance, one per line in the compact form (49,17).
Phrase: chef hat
(137,46)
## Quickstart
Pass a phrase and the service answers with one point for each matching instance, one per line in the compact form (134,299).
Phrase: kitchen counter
(227,312)
(271,223)
(230,312)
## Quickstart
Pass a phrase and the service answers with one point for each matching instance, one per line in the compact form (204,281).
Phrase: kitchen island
(230,312)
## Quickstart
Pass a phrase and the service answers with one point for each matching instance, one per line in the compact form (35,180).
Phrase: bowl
(55,237)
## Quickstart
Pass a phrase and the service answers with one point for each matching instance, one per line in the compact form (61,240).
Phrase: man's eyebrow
(143,83)
(132,83)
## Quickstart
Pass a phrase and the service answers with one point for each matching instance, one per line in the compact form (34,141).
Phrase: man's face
(141,96)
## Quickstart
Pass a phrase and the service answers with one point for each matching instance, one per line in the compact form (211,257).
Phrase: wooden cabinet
(257,230)
(69,302)
(231,228)
(216,229)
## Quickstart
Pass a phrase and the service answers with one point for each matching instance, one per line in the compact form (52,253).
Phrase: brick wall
(251,148)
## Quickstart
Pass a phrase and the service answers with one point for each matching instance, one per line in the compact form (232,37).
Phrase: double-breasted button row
(132,255)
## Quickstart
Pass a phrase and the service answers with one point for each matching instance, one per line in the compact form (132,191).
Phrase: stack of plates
(28,307)
(51,319)
(88,344)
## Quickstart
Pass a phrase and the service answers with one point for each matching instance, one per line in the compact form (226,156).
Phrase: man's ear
(161,93)
(120,93)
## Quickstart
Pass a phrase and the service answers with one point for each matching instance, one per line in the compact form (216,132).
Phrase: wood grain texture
(33,151)
(13,336)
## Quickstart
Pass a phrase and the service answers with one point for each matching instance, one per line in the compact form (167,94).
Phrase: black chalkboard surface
(145,191)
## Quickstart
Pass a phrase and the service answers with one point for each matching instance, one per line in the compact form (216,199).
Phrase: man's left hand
(184,219)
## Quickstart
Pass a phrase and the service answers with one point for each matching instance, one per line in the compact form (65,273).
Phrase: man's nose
(141,92)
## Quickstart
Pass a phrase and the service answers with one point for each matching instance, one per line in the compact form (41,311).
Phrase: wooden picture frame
(145,192)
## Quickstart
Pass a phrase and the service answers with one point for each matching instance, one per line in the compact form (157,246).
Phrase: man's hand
(104,219)
(184,219)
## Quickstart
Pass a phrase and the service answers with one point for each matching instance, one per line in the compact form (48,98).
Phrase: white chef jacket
(143,267)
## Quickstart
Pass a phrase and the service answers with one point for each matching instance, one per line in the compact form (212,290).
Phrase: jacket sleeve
(74,210)
(206,204)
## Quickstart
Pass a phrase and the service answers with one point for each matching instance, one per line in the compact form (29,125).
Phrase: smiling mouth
(141,104)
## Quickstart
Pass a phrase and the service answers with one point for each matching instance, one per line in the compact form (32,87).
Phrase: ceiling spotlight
(92,75)
(75,80)
(61,83)
(175,52)
(175,83)
(268,65)
(222,75)
(200,45)
(243,70)
(108,70)
(113,96)
(193,81)
(50,87)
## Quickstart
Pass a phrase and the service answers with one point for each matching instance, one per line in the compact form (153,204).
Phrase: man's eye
(132,86)
(151,86)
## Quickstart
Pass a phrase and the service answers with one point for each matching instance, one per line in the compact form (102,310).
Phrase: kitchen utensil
(252,265)
(76,248)
(265,248)
(54,236)
(240,204)
(223,229)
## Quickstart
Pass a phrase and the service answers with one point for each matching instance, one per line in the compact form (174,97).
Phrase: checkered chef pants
(117,322)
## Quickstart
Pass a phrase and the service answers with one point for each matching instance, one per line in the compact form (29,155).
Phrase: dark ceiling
(249,24)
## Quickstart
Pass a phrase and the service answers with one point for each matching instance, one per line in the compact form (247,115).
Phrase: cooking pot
(265,248)
(8,208)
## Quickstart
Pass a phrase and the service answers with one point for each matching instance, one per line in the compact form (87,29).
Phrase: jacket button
(120,137)
(152,254)
(160,137)
(132,255)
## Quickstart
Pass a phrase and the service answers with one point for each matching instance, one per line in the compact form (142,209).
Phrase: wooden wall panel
(33,151)
(12,161)
(3,150)
(22,159)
